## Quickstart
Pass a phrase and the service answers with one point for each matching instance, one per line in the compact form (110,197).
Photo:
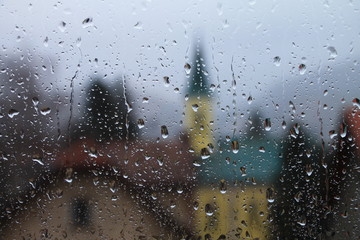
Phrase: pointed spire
(199,79)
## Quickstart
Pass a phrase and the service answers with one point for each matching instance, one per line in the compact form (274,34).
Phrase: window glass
(179,120)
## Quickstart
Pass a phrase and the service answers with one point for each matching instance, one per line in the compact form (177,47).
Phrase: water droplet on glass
(309,170)
(302,69)
(68,175)
(87,22)
(332,52)
(332,134)
(205,153)
(36,158)
(12,113)
(343,130)
(270,195)
(196,205)
(62,26)
(262,149)
(283,124)
(187,68)
(46,42)
(195,107)
(209,210)
(166,81)
(211,147)
(45,111)
(223,187)
(249,100)
(267,124)
(160,161)
(235,146)
(138,25)
(297,196)
(243,171)
(140,123)
(277,60)
(356,102)
(164,131)
(35,101)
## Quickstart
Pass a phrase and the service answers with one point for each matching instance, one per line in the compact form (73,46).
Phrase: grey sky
(147,40)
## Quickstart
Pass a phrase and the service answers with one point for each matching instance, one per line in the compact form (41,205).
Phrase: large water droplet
(187,68)
(267,124)
(87,22)
(209,211)
(205,153)
(166,81)
(140,123)
(356,102)
(302,69)
(277,60)
(62,26)
(195,107)
(12,113)
(332,52)
(223,187)
(36,158)
(164,131)
(45,111)
(235,146)
(270,195)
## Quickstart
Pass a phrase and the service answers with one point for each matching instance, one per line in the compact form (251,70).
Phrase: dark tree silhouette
(107,115)
(298,211)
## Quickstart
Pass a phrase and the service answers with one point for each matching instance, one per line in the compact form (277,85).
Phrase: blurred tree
(298,210)
(107,115)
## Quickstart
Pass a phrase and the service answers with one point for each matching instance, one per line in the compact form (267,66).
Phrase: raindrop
(45,111)
(297,196)
(343,130)
(140,123)
(332,134)
(270,195)
(283,124)
(249,100)
(223,187)
(332,52)
(267,124)
(68,175)
(12,113)
(87,22)
(62,26)
(195,107)
(164,131)
(209,210)
(187,68)
(262,149)
(277,60)
(36,158)
(167,81)
(160,161)
(205,153)
(35,101)
(356,102)
(235,146)
(211,147)
(196,205)
(46,42)
(309,170)
(138,25)
(243,171)
(302,69)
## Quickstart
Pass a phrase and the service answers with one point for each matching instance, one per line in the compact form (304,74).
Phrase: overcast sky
(147,40)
